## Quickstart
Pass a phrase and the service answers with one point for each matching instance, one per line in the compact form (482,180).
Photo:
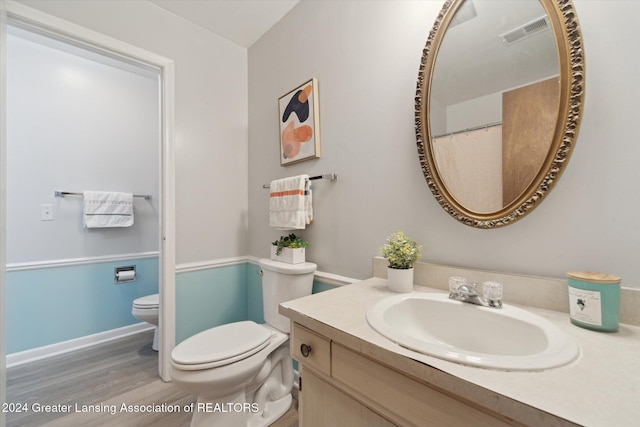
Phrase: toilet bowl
(242,372)
(147,309)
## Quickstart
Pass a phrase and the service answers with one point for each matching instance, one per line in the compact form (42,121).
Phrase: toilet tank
(283,282)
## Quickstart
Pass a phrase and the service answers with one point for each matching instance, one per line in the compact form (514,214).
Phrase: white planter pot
(400,280)
(288,255)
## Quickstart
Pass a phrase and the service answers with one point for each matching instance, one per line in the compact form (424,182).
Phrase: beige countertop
(600,388)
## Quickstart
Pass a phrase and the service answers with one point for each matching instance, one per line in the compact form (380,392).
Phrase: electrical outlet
(46,212)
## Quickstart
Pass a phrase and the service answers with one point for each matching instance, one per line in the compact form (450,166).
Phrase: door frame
(13,12)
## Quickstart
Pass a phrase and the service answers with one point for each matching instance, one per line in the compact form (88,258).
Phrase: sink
(509,338)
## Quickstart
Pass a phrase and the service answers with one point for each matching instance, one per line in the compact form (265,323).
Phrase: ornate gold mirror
(498,105)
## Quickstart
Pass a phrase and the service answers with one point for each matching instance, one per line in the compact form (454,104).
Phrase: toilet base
(234,411)
(227,411)
(272,411)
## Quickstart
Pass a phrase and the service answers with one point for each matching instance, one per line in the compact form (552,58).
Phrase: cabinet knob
(305,349)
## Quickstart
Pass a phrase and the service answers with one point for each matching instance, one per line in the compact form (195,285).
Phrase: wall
(365,56)
(205,297)
(55,303)
(210,297)
(210,117)
(216,295)
(77,121)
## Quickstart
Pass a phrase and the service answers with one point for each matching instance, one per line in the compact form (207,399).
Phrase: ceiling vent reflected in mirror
(525,31)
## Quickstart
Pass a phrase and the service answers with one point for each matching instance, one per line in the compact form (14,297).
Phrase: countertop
(600,388)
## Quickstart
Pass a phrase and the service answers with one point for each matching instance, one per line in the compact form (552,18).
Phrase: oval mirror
(498,105)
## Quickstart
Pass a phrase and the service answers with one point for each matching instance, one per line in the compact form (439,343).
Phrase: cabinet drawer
(318,355)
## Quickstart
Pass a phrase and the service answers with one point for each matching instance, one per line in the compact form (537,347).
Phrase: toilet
(146,309)
(242,372)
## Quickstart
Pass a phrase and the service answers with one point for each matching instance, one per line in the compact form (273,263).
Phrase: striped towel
(290,203)
(103,209)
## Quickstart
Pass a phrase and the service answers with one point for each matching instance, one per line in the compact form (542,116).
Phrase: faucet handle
(492,290)
(455,283)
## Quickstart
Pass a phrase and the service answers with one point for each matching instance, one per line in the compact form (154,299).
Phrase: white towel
(290,203)
(107,209)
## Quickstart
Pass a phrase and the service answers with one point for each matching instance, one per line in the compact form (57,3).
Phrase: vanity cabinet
(340,386)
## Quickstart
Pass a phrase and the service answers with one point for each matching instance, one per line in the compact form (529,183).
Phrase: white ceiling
(241,21)
(473,61)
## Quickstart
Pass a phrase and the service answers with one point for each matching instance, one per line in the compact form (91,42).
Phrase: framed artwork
(299,129)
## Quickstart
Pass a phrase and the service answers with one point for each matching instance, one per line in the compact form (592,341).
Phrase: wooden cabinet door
(321,405)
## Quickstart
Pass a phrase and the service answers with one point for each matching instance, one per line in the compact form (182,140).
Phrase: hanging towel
(290,203)
(103,209)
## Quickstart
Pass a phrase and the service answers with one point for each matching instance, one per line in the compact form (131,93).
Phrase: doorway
(76,119)
(60,30)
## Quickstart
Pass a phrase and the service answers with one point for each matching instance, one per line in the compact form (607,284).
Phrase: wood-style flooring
(101,379)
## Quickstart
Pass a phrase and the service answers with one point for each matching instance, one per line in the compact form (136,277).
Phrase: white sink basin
(508,338)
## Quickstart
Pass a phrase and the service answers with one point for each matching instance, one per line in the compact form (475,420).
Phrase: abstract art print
(299,130)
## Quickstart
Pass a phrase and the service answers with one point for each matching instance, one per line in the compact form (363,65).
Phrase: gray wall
(365,56)
(210,117)
(77,121)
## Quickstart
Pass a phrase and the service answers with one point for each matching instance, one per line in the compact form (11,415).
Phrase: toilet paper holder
(125,274)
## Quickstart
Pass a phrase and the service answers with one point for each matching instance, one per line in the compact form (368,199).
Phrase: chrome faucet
(460,290)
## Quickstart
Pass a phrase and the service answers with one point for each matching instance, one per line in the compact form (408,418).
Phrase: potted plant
(289,249)
(402,253)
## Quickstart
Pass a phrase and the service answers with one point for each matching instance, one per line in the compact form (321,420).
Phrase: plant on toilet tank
(289,249)
(402,253)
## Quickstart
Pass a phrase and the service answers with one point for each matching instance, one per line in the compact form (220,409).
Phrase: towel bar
(69,193)
(329,176)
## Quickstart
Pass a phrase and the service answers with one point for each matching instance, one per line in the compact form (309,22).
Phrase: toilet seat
(220,346)
(147,302)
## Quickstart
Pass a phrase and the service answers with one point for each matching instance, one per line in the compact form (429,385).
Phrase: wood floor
(100,380)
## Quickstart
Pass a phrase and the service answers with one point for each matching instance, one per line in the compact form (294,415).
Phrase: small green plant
(290,241)
(401,251)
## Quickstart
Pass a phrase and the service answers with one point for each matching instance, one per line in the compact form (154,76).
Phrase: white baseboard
(27,356)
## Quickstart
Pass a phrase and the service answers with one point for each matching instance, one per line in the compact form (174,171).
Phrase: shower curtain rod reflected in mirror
(469,129)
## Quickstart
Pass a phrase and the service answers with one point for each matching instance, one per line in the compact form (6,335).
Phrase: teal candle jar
(594,300)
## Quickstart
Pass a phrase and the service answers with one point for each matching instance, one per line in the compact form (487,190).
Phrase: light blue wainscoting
(56,303)
(219,295)
(254,294)
(210,297)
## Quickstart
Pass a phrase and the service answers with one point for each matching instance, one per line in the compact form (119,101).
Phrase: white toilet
(147,309)
(242,372)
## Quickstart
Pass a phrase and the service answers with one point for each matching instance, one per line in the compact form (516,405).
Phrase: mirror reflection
(494,101)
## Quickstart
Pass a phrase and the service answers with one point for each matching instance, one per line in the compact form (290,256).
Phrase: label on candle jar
(585,306)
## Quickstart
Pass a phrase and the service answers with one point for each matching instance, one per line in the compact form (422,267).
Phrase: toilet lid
(150,301)
(222,343)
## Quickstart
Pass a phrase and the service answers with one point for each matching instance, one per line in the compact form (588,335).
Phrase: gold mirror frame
(572,80)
